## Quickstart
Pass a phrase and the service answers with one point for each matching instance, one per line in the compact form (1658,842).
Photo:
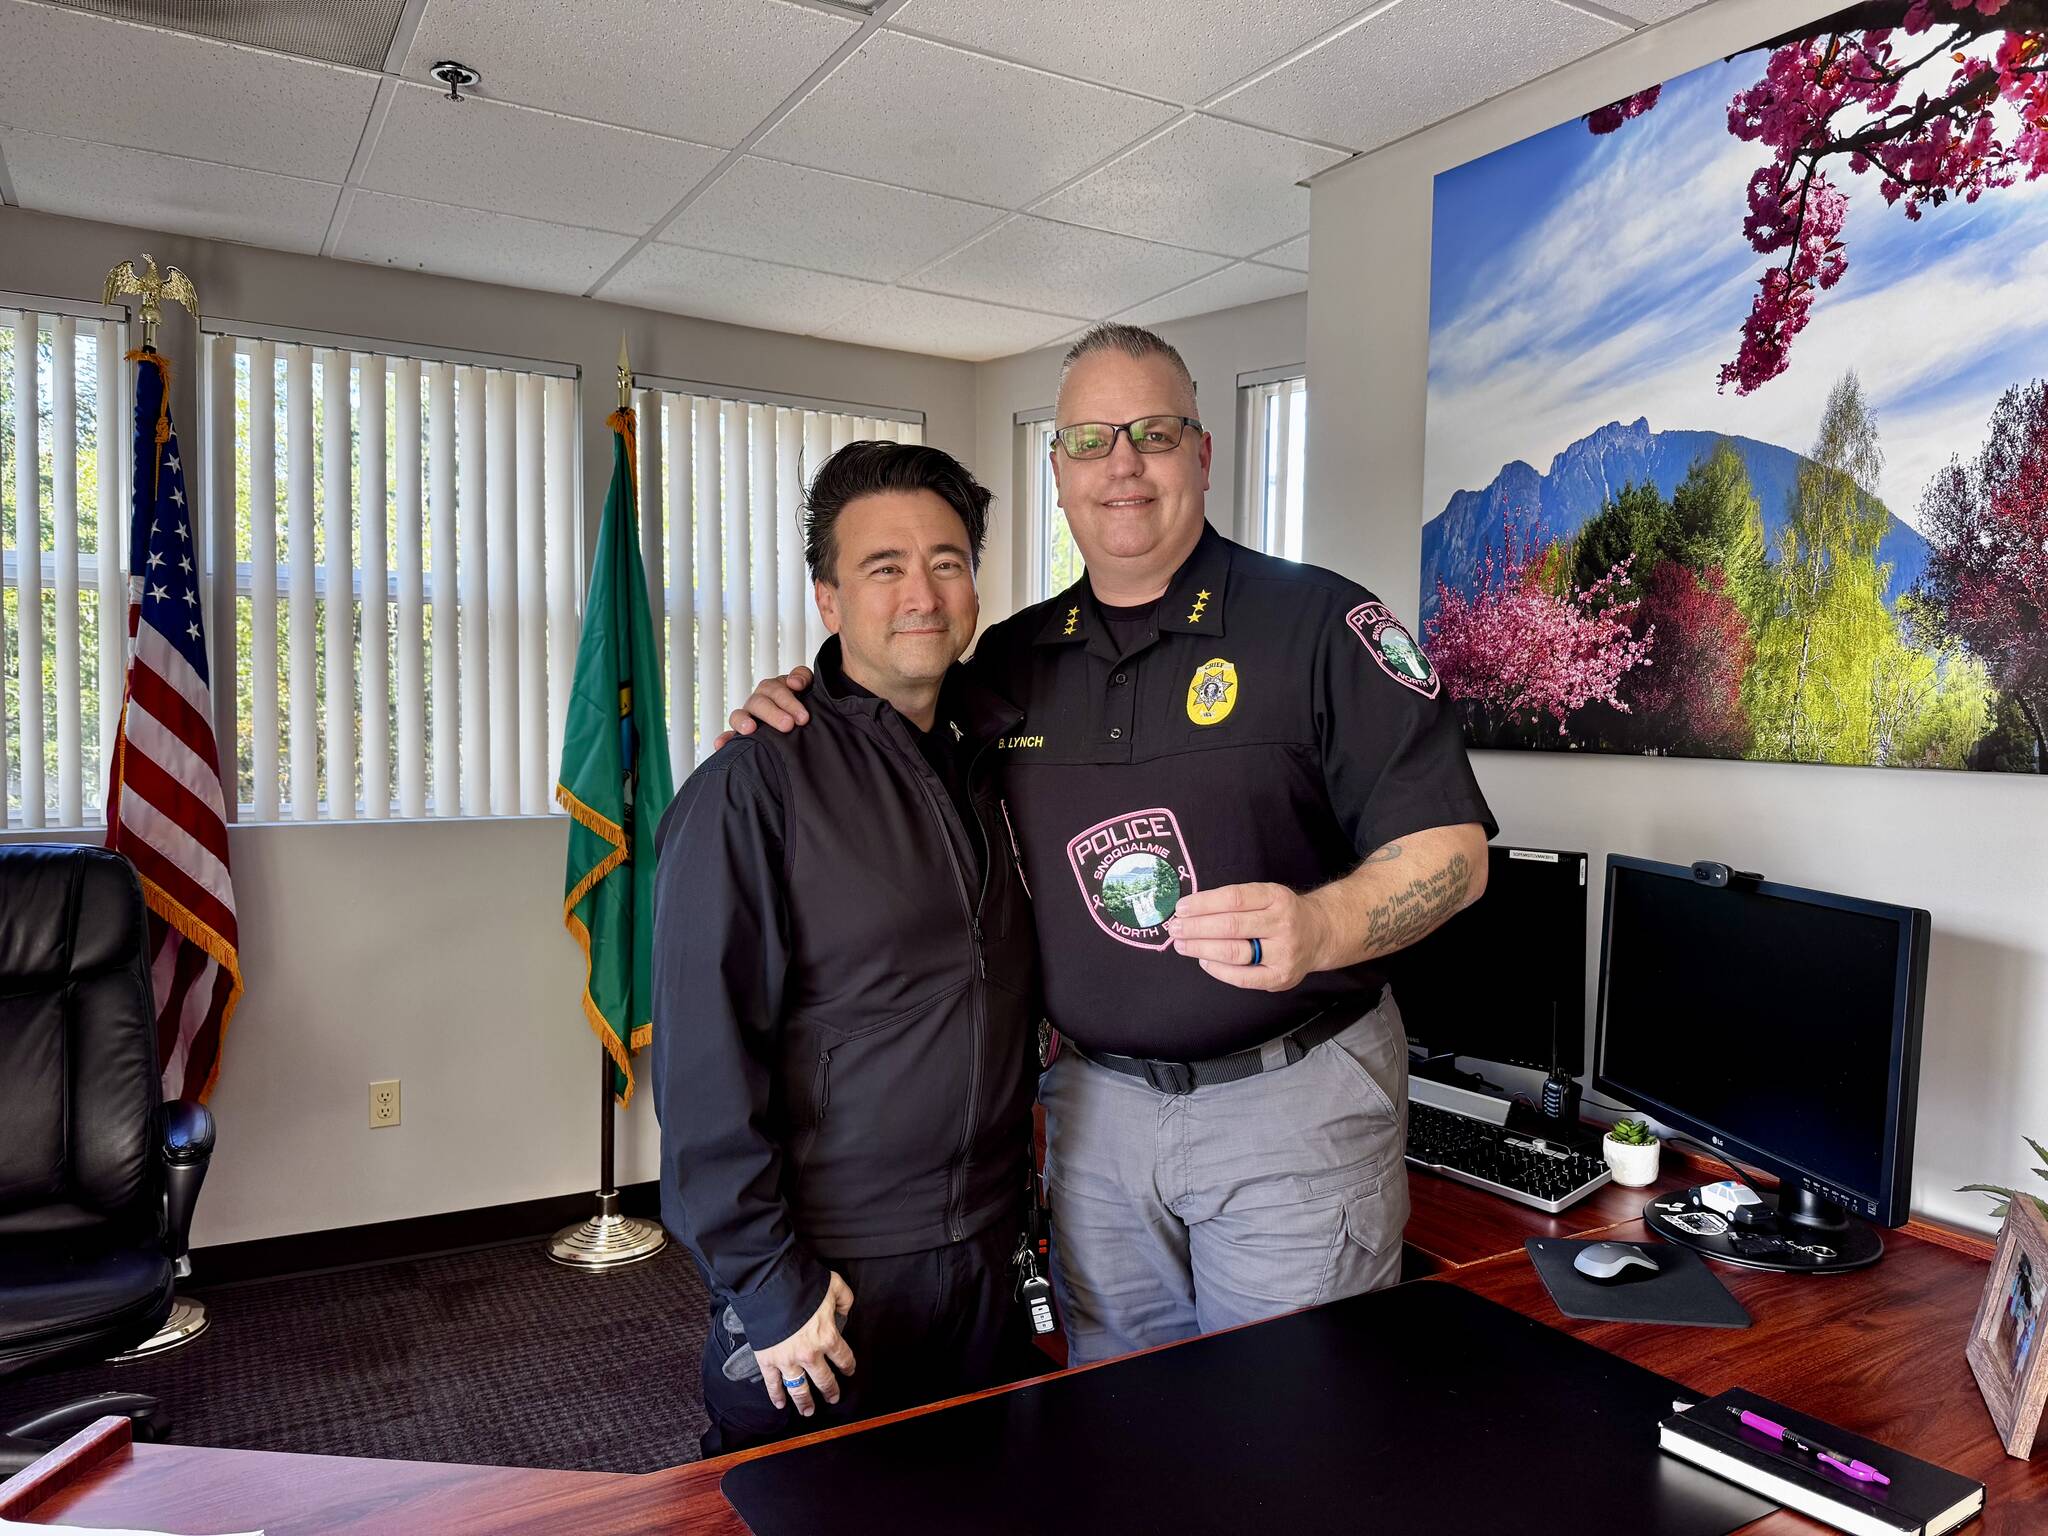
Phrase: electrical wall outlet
(383,1104)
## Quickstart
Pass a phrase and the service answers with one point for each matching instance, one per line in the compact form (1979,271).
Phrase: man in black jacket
(844,979)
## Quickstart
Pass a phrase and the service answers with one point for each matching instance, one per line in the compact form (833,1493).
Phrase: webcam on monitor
(1707,872)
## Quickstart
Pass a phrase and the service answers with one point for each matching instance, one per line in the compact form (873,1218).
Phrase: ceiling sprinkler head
(455,76)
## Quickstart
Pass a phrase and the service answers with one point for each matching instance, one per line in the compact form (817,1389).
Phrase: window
(722,477)
(63,591)
(407,576)
(1055,562)
(1273,427)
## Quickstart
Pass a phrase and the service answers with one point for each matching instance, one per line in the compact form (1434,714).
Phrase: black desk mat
(1683,1290)
(1421,1408)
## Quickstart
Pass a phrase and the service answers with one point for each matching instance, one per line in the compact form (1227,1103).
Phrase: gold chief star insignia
(1073,618)
(1201,602)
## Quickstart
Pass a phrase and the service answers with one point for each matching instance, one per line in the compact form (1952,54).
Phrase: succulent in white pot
(1631,1152)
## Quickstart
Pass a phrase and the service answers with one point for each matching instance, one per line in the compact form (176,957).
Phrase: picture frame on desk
(2007,1351)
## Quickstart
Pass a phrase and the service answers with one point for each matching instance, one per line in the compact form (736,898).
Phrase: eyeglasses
(1148,434)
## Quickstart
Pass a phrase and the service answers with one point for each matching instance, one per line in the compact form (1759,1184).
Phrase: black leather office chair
(97,1178)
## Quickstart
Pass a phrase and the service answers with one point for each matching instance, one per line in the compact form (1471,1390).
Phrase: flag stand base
(187,1321)
(607,1239)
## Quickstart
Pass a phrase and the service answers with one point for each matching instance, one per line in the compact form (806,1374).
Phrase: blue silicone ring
(1255,951)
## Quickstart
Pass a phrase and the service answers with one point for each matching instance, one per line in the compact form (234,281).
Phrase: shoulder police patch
(1212,692)
(1133,870)
(1393,648)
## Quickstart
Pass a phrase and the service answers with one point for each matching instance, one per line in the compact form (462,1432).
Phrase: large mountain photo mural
(1737,438)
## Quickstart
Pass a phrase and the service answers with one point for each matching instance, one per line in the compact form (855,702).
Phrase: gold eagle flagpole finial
(171,284)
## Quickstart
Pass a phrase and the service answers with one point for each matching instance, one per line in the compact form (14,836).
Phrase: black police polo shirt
(1274,723)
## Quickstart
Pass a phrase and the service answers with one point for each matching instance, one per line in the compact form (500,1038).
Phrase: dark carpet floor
(495,1356)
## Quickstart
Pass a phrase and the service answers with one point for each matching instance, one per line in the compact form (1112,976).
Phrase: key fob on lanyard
(1033,1289)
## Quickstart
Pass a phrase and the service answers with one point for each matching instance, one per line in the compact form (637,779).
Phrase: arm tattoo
(1406,916)
(1385,854)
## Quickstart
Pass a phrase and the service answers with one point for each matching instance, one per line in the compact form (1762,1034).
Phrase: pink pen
(1848,1466)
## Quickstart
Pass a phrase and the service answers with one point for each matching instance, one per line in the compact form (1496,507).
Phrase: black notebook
(1920,1500)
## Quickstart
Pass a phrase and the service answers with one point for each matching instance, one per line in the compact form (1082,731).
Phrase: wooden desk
(1879,1351)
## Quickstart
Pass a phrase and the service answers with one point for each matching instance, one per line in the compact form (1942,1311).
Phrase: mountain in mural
(1585,475)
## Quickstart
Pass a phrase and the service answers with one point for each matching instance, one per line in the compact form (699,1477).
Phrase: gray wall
(432,952)
(1972,848)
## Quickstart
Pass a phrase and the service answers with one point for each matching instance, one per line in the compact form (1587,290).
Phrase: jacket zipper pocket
(821,1095)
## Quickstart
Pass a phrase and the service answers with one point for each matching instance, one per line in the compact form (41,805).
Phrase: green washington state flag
(615,779)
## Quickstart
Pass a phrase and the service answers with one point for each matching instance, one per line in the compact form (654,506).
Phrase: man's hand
(773,702)
(788,1369)
(1400,893)
(1217,927)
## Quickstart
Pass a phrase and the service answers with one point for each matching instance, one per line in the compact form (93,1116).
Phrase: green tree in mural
(1827,609)
(1931,700)
(1697,565)
(1718,525)
(1838,676)
(1634,522)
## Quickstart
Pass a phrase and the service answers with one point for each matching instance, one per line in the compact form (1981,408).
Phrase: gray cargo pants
(1174,1215)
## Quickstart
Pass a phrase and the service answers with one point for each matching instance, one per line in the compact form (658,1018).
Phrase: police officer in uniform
(845,993)
(1236,785)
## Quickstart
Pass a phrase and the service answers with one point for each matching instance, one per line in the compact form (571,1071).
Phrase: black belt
(1178,1077)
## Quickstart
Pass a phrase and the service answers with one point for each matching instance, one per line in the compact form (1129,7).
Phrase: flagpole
(188,1317)
(608,1239)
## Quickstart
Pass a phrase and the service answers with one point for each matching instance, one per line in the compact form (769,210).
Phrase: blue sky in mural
(1578,280)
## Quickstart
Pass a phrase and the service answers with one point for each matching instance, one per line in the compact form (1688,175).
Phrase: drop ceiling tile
(167,192)
(923,115)
(1653,10)
(703,70)
(1415,64)
(1203,182)
(1202,46)
(1245,283)
(732,288)
(354,32)
(834,223)
(939,326)
(485,154)
(86,77)
(467,242)
(1062,268)
(1294,254)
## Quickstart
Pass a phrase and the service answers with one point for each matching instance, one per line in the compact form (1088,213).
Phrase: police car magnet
(1393,648)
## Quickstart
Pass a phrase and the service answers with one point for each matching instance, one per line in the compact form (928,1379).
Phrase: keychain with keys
(1033,1289)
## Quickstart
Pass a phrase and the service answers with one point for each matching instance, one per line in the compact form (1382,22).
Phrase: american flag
(165,810)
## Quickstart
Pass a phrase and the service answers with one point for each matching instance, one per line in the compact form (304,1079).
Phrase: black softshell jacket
(844,1004)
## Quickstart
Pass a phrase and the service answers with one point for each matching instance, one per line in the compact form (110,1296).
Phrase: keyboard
(1526,1169)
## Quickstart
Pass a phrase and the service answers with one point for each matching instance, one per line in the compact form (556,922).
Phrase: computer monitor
(1776,1025)
(1505,979)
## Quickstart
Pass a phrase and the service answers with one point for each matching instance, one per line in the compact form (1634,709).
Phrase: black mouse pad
(1683,1290)
(1420,1408)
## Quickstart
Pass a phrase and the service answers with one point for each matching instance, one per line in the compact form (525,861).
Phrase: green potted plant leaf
(1632,1153)
(2007,1196)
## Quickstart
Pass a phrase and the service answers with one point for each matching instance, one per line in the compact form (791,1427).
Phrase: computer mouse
(1608,1263)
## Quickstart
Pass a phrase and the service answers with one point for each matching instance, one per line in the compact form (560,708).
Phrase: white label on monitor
(1533,855)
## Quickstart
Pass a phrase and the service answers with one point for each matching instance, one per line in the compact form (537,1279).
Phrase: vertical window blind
(408,577)
(63,592)
(722,479)
(1055,562)
(1273,427)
